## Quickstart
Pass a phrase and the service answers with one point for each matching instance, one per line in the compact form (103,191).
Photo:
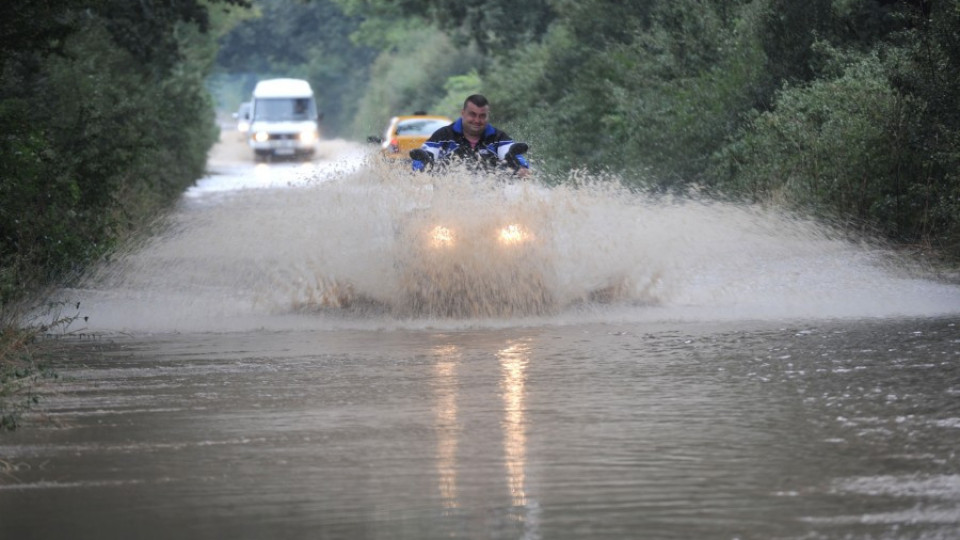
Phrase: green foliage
(413,77)
(22,361)
(831,145)
(850,108)
(496,27)
(787,35)
(925,65)
(20,371)
(99,136)
(457,88)
(872,138)
(658,92)
(539,92)
(696,78)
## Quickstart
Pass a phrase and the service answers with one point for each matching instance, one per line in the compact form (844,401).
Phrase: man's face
(474,119)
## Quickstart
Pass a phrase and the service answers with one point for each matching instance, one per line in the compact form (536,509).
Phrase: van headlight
(261,136)
(308,137)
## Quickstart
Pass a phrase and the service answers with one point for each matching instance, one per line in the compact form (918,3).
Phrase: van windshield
(285,109)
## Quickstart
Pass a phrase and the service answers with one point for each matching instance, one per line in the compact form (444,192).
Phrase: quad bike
(481,258)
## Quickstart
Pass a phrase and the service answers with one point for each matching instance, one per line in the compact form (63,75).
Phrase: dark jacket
(449,142)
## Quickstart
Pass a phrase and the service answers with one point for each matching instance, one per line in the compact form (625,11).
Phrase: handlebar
(421,158)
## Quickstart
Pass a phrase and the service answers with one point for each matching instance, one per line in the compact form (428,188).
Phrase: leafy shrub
(833,146)
(96,143)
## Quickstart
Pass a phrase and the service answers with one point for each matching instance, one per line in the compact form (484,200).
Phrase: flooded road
(273,364)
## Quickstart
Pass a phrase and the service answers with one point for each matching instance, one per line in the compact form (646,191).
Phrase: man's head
(476,110)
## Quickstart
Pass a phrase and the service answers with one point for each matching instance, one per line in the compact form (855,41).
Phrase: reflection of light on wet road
(513,360)
(275,175)
(445,371)
(513,363)
(258,176)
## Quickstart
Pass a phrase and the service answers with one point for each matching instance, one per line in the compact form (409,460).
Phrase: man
(472,140)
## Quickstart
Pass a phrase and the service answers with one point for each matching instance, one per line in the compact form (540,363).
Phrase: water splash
(349,245)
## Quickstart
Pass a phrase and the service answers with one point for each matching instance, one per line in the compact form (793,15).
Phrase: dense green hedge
(100,130)
(871,138)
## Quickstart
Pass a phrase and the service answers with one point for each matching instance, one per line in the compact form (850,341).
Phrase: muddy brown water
(257,371)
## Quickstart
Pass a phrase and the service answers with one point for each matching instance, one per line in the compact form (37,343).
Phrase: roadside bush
(96,142)
(836,147)
(697,79)
(104,121)
(925,64)
(20,371)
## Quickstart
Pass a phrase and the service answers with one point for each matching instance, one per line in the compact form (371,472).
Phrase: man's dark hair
(477,100)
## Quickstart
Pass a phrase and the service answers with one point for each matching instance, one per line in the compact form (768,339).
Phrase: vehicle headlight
(441,237)
(308,137)
(513,234)
(261,136)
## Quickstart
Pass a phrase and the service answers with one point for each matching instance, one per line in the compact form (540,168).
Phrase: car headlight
(261,136)
(308,137)
(513,234)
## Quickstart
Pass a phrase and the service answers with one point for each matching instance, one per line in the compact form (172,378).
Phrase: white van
(283,119)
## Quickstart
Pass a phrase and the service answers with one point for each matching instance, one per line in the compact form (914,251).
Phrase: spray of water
(373,245)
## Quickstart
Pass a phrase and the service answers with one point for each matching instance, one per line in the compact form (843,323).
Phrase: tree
(100,130)
(497,27)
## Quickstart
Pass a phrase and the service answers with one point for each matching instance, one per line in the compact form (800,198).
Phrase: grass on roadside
(23,366)
(19,373)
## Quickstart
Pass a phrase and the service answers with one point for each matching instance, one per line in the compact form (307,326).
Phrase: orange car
(408,132)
